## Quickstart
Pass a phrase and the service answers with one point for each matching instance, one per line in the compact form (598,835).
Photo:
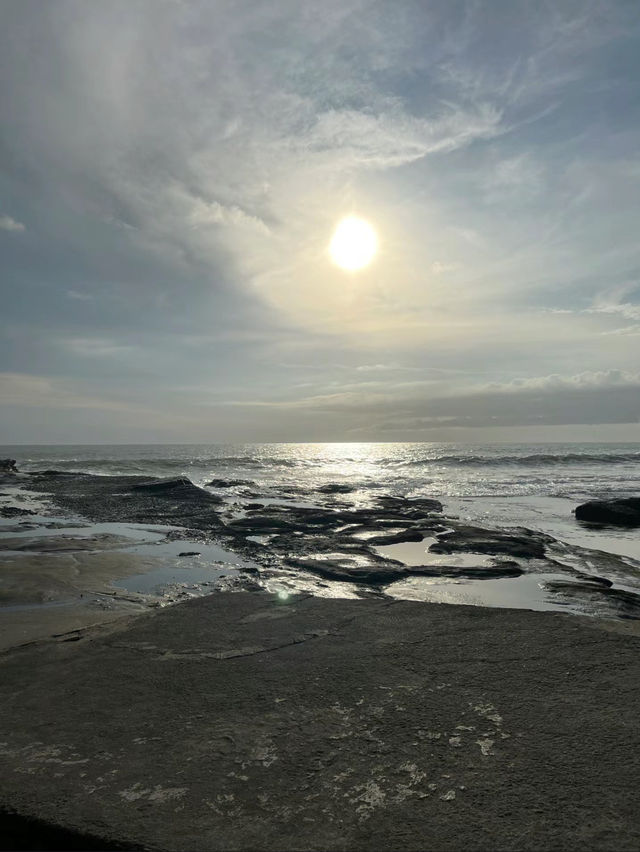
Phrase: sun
(353,244)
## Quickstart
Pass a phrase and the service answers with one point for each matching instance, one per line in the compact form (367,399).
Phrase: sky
(172,174)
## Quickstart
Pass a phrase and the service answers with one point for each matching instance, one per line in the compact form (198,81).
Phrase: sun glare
(353,244)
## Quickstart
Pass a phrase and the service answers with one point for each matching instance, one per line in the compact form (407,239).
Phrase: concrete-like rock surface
(242,721)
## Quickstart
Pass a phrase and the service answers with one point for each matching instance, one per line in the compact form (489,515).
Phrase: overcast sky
(172,173)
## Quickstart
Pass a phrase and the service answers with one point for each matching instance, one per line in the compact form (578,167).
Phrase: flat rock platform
(247,722)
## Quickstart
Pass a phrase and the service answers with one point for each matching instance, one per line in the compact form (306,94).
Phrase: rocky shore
(328,545)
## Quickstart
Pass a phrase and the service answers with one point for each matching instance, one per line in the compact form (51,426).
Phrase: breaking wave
(534,460)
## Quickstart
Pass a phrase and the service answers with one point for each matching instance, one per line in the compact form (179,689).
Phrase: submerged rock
(624,512)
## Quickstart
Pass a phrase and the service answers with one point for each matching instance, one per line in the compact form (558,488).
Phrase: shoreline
(95,548)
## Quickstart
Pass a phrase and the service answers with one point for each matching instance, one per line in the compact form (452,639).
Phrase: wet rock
(427,504)
(14,512)
(8,466)
(336,488)
(593,578)
(525,543)
(180,488)
(65,543)
(261,524)
(501,570)
(189,553)
(73,474)
(396,538)
(352,570)
(387,517)
(250,507)
(624,512)
(132,499)
(357,568)
(620,602)
(229,483)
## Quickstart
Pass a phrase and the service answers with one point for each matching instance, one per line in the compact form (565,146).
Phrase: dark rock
(228,483)
(352,570)
(501,570)
(397,538)
(189,553)
(593,578)
(525,543)
(388,517)
(624,512)
(359,569)
(68,473)
(8,466)
(261,524)
(427,504)
(132,499)
(336,488)
(250,507)
(180,488)
(621,602)
(14,512)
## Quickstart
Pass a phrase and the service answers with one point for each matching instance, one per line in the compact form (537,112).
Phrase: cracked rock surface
(243,721)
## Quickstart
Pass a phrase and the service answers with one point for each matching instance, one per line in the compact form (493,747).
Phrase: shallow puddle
(190,577)
(524,592)
(52,527)
(416,553)
(200,565)
(260,539)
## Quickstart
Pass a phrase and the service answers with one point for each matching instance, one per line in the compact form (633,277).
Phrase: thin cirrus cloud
(181,167)
(9,224)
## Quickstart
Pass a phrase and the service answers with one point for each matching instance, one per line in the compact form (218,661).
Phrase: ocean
(533,485)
